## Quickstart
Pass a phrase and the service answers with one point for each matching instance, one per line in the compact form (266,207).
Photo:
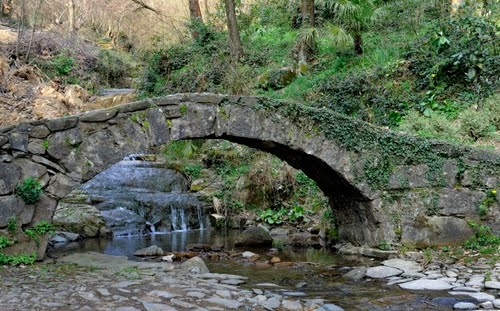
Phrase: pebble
(464,306)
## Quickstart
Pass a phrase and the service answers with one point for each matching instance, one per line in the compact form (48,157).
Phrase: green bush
(492,108)
(63,64)
(29,190)
(476,124)
(113,66)
(483,238)
(436,125)
(4,242)
(460,50)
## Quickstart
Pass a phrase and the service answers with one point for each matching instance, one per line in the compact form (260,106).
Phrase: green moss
(381,150)
(183,109)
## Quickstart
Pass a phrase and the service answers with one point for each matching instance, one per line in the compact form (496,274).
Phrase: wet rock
(195,265)
(292,305)
(157,307)
(356,274)
(271,303)
(247,254)
(492,285)
(404,265)
(481,297)
(424,284)
(226,303)
(152,250)
(330,307)
(464,306)
(254,236)
(82,219)
(168,258)
(382,272)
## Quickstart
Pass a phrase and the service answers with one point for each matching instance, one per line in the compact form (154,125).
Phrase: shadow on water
(316,272)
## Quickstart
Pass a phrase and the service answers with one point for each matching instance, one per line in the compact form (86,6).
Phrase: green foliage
(384,245)
(483,239)
(193,171)
(436,125)
(29,190)
(182,149)
(272,217)
(45,144)
(484,207)
(113,66)
(5,241)
(63,64)
(12,224)
(39,229)
(459,50)
(17,259)
(476,124)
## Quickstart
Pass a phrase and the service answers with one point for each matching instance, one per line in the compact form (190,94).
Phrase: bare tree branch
(143,5)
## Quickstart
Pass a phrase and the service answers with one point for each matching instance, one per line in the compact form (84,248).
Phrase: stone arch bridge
(384,187)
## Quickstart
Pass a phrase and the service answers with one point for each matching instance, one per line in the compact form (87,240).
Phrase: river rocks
(382,272)
(152,250)
(355,274)
(404,265)
(464,306)
(426,285)
(82,219)
(195,265)
(254,236)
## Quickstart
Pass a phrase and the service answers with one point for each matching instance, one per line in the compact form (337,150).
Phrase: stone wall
(383,186)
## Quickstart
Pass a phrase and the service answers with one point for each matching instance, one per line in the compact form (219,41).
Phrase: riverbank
(94,281)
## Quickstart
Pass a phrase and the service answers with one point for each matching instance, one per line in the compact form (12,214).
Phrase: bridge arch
(383,186)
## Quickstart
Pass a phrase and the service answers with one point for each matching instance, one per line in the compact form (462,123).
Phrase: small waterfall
(200,218)
(183,220)
(174,219)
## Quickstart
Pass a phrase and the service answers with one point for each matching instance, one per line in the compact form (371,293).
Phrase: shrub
(63,64)
(436,125)
(112,66)
(461,51)
(29,190)
(476,124)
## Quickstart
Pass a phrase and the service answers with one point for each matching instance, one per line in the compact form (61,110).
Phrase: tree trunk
(358,43)
(234,34)
(196,17)
(308,13)
(207,11)
(71,16)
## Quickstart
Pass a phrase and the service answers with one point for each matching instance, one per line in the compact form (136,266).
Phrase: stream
(316,273)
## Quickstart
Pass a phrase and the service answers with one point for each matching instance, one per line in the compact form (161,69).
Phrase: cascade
(140,197)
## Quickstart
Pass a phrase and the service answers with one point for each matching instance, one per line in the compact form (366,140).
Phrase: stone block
(39,131)
(13,206)
(99,115)
(62,143)
(48,163)
(158,130)
(435,231)
(30,169)
(61,185)
(36,146)
(10,176)
(459,202)
(3,140)
(135,106)
(66,123)
(409,176)
(171,100)
(19,142)
(44,210)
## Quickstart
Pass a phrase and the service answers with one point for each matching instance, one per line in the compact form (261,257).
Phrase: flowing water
(316,272)
(145,204)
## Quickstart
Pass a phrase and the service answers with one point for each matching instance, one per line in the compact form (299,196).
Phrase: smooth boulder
(254,236)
